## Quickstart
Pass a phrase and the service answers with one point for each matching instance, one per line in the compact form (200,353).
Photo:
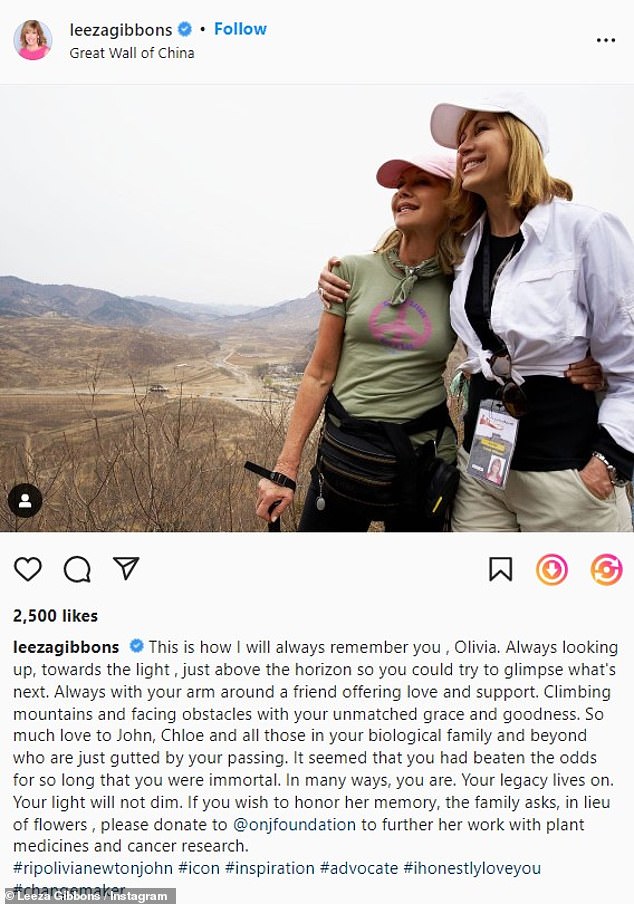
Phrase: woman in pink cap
(539,280)
(378,367)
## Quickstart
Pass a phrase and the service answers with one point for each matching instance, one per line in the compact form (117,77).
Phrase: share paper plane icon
(127,564)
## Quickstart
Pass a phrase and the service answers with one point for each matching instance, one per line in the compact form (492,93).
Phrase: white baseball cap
(445,118)
(436,162)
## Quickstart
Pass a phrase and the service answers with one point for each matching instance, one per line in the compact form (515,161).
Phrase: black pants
(350,517)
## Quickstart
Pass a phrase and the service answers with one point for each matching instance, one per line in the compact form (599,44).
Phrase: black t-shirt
(499,248)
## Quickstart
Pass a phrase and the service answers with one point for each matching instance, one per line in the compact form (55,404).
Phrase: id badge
(493,444)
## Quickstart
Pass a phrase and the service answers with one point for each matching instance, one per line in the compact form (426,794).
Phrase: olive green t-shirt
(393,356)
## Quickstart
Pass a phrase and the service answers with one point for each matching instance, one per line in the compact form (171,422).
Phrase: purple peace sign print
(408,330)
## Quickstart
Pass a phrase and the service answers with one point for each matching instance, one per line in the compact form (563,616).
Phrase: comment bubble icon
(77,570)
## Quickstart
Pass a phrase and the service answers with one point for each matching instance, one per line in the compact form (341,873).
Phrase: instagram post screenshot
(361,275)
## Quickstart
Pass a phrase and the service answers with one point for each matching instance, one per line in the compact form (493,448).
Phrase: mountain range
(20,298)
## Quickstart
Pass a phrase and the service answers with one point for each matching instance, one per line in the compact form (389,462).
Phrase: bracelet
(276,476)
(615,479)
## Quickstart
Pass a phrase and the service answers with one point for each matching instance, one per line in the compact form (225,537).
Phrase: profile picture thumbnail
(32,40)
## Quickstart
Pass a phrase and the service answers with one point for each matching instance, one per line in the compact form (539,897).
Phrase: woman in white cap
(539,279)
(378,366)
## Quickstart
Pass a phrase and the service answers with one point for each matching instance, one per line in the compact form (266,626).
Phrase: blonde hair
(529,182)
(33,25)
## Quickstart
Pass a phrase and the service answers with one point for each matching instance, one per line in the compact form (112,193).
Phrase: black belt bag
(374,463)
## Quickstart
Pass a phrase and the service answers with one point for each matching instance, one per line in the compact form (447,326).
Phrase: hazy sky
(238,194)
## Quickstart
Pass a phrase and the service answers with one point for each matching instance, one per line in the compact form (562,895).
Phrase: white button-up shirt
(570,286)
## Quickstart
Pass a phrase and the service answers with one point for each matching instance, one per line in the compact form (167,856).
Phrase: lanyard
(488,284)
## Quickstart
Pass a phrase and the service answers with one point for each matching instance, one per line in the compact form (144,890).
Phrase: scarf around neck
(424,270)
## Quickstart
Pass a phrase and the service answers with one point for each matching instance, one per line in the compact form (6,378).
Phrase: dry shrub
(168,467)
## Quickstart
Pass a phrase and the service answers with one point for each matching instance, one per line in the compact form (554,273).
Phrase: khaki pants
(537,501)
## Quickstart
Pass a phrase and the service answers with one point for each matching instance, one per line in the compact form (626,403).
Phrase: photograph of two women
(428,329)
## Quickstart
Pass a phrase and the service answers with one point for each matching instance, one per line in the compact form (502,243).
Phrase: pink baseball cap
(436,162)
(445,118)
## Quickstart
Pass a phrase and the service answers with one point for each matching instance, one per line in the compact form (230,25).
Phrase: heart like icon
(27,568)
